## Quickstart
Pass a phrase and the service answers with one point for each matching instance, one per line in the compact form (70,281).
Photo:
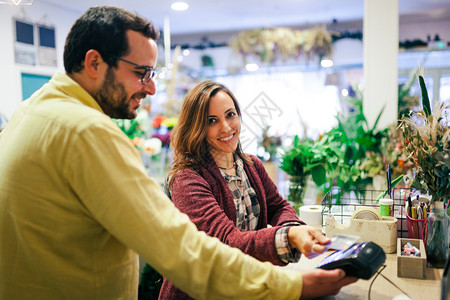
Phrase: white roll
(311,214)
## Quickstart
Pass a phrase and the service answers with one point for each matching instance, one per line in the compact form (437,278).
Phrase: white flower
(152,146)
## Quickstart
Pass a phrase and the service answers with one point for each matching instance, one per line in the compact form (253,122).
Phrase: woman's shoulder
(187,173)
(187,179)
(190,175)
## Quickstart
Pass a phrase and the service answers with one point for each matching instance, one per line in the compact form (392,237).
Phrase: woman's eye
(211,121)
(231,114)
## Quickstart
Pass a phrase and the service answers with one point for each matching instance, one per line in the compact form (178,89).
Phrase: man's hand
(308,240)
(318,282)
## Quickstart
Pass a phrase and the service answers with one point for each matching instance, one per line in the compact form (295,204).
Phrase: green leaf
(319,175)
(296,141)
(393,183)
(378,118)
(425,99)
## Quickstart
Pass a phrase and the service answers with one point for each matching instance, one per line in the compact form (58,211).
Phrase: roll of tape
(311,214)
(366,214)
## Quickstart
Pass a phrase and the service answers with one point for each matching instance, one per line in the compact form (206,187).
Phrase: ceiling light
(179,6)
(251,67)
(17,2)
(326,63)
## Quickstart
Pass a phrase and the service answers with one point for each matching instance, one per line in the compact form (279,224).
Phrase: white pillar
(380,41)
(167,45)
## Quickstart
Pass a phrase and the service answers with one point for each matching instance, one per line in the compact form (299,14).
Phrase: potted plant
(305,158)
(427,143)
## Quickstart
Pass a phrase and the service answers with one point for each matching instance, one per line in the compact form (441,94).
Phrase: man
(76,204)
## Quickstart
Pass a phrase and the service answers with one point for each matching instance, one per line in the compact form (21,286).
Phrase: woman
(227,193)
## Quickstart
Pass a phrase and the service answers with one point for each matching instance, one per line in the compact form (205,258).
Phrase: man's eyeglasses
(149,72)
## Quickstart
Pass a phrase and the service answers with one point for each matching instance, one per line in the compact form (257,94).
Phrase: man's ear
(93,63)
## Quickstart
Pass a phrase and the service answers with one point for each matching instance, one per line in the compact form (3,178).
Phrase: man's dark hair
(103,28)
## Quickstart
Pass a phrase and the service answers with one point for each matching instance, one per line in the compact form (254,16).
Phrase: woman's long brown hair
(188,139)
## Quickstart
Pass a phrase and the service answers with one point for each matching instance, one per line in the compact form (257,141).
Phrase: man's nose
(150,87)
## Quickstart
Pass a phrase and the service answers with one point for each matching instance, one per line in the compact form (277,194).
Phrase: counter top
(428,288)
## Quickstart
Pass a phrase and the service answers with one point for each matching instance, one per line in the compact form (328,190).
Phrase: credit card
(341,241)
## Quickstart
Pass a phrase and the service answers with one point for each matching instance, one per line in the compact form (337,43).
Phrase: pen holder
(415,227)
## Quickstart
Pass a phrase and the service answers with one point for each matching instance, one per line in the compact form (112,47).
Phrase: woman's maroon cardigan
(205,197)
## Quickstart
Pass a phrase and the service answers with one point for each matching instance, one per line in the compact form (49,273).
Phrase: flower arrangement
(375,163)
(271,43)
(400,163)
(163,127)
(135,132)
(151,146)
(427,144)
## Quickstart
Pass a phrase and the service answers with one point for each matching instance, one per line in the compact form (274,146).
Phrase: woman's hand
(318,282)
(308,240)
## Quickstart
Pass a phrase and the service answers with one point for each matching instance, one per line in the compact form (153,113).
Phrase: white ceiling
(205,16)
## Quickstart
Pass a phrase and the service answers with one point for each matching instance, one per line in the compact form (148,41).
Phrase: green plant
(349,155)
(306,157)
(359,146)
(132,128)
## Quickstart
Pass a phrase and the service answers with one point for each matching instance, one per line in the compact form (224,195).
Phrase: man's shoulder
(66,99)
(69,112)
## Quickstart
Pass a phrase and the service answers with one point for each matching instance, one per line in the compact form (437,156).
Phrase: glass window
(291,103)
(444,91)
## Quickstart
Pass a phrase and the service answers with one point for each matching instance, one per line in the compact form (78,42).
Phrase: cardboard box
(411,266)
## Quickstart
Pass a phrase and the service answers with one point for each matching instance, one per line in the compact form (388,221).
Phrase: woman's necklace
(234,164)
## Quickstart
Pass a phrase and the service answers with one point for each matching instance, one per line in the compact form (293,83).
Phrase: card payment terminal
(360,260)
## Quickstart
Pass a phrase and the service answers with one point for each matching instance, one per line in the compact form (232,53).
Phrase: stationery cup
(386,206)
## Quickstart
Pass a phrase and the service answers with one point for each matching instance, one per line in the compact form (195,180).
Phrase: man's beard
(113,99)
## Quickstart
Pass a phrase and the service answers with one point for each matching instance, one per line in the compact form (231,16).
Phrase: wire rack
(342,204)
